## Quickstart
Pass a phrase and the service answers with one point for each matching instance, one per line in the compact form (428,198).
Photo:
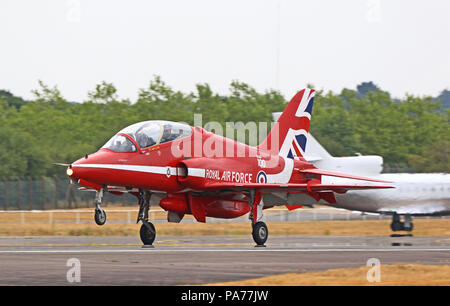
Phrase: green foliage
(11,100)
(20,155)
(413,132)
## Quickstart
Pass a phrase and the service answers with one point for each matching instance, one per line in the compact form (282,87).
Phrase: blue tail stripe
(310,106)
(301,140)
(290,155)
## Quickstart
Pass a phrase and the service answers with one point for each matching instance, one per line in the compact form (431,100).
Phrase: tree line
(411,133)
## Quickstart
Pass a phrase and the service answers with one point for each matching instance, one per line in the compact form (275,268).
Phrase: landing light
(69,172)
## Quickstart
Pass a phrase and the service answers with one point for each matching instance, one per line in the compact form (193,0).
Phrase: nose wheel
(100,216)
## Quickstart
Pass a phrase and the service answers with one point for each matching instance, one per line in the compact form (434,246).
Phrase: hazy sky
(401,45)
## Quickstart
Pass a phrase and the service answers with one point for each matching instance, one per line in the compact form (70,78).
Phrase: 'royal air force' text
(229,176)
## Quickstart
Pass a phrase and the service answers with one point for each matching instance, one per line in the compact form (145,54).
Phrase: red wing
(343,175)
(290,187)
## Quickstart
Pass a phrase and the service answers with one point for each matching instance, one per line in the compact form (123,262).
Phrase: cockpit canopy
(147,134)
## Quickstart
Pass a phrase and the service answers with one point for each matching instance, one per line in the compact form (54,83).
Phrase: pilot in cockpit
(167,134)
(144,140)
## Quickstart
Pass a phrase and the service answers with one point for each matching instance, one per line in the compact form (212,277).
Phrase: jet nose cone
(74,171)
(84,168)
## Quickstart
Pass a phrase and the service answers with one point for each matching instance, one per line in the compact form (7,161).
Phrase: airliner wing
(425,208)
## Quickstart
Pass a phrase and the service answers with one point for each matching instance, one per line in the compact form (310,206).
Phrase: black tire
(408,228)
(100,216)
(396,226)
(147,236)
(260,233)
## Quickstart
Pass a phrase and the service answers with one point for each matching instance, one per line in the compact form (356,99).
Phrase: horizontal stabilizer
(311,159)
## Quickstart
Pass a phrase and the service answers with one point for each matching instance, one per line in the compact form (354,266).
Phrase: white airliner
(421,194)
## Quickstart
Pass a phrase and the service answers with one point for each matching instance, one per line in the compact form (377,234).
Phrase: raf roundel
(261,178)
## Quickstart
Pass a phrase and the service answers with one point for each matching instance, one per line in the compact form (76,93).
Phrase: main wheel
(100,216)
(408,227)
(147,235)
(260,233)
(397,226)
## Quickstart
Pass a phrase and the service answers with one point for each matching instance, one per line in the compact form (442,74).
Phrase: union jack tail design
(289,134)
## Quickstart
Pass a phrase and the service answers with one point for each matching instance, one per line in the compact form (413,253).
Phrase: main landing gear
(397,225)
(99,214)
(147,231)
(260,232)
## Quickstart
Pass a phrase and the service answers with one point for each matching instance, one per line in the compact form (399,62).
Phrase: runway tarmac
(200,260)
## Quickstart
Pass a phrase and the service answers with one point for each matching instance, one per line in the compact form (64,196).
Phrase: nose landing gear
(99,214)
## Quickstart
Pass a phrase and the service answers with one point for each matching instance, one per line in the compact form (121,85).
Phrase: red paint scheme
(202,207)
(176,203)
(201,183)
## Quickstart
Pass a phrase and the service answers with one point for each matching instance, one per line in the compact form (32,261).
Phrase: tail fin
(289,134)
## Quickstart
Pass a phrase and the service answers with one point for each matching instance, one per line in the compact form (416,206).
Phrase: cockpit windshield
(120,144)
(150,133)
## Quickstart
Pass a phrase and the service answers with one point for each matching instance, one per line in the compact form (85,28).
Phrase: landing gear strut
(397,225)
(99,214)
(147,231)
(260,232)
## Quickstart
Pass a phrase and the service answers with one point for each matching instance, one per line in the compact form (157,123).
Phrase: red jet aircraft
(188,170)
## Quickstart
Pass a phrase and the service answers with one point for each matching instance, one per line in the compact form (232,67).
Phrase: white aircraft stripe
(285,175)
(304,104)
(147,169)
(197,172)
(282,177)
